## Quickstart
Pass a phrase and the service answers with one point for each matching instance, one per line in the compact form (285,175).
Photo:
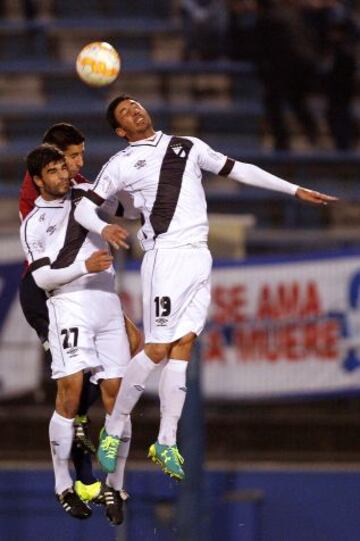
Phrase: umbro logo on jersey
(140,163)
(179,150)
(42,217)
(51,229)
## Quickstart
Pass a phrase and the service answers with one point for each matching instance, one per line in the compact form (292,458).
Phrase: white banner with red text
(277,327)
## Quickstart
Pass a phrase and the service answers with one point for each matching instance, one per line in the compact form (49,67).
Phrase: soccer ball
(98,63)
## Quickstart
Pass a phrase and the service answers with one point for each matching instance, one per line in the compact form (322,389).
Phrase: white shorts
(176,292)
(87,331)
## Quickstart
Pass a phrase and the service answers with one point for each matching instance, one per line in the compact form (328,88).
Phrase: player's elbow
(42,280)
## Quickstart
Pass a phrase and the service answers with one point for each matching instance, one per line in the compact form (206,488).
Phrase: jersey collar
(55,204)
(152,141)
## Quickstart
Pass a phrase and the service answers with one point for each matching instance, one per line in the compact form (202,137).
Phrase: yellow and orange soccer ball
(98,64)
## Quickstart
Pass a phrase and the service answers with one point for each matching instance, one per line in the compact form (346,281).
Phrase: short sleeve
(32,244)
(108,181)
(208,159)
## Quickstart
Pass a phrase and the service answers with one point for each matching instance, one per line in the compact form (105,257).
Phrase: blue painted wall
(241,505)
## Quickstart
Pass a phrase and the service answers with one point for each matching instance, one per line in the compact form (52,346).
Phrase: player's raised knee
(157,352)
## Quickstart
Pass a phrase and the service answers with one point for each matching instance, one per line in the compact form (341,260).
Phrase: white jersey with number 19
(163,175)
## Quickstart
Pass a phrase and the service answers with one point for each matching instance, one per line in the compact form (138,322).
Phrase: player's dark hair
(41,156)
(63,135)
(110,111)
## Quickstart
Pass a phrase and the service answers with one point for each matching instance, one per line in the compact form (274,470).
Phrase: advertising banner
(276,328)
(20,349)
(282,327)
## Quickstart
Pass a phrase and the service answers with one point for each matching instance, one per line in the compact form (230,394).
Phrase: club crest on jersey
(179,150)
(42,217)
(140,163)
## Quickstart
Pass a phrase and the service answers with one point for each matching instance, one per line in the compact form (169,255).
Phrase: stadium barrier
(244,504)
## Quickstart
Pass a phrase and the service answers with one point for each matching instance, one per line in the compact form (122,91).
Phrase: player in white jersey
(163,173)
(87,329)
(71,141)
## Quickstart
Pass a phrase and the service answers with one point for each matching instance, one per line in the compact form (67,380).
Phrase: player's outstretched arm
(247,173)
(317,198)
(255,176)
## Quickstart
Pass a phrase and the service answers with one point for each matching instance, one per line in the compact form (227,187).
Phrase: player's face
(134,121)
(74,156)
(54,181)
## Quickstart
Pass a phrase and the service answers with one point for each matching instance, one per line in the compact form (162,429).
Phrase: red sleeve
(79,179)
(27,196)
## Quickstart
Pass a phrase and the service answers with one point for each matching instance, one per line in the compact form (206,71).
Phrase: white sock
(61,435)
(132,387)
(172,392)
(116,479)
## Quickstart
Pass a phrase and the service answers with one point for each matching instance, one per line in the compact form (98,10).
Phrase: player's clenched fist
(115,235)
(99,261)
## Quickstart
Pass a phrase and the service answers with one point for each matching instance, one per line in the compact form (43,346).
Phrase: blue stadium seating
(219,101)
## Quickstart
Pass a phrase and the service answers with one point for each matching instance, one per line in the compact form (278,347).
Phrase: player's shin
(83,466)
(172,393)
(116,480)
(132,387)
(61,433)
(89,394)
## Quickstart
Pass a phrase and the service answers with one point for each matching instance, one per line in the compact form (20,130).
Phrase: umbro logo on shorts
(161,321)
